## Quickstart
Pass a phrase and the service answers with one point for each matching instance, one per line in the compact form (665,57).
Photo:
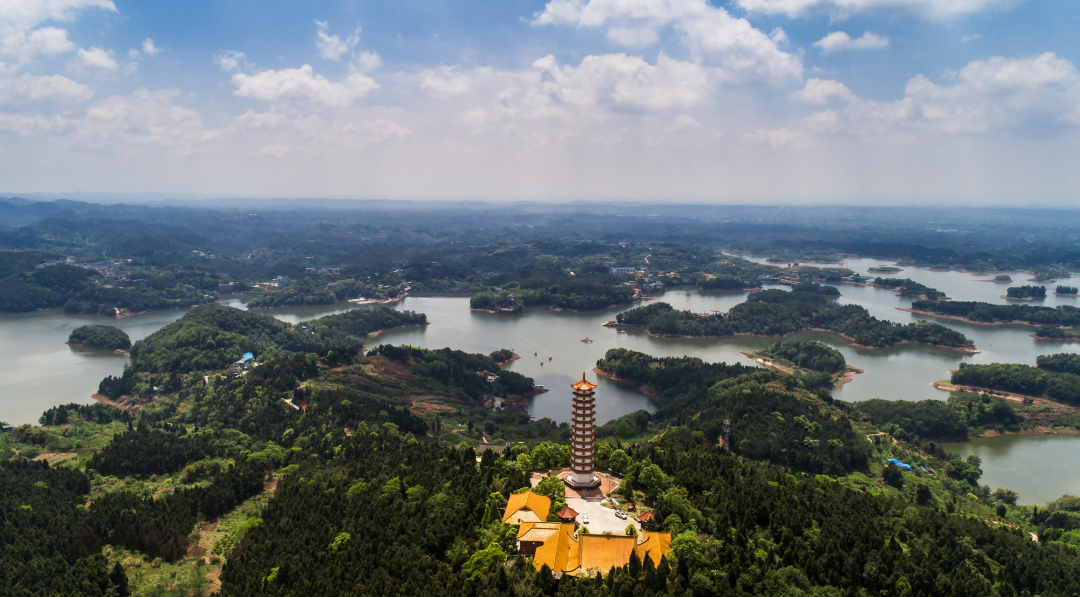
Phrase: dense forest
(777,313)
(1026,292)
(1021,379)
(110,301)
(938,420)
(990,313)
(1060,363)
(775,419)
(100,336)
(814,356)
(560,291)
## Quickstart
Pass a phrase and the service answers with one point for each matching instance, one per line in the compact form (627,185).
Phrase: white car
(585,518)
(620,514)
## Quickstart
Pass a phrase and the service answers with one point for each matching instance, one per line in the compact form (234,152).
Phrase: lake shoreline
(644,389)
(408,325)
(965,319)
(101,348)
(970,349)
(838,379)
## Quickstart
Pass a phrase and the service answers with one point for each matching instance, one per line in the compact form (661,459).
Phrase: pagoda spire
(583,436)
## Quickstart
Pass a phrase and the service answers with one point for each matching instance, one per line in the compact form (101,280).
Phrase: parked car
(620,514)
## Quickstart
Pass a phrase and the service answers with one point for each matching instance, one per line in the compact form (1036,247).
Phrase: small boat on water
(541,363)
(534,353)
(549,358)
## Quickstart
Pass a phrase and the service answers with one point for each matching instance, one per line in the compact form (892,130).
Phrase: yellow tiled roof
(653,545)
(537,531)
(562,552)
(602,552)
(559,552)
(534,502)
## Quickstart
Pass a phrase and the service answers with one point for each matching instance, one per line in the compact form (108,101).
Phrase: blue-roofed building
(247,357)
(899,464)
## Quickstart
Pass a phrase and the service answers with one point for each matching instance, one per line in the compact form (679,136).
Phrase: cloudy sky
(854,101)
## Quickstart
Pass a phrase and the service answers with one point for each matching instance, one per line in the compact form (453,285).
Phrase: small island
(814,364)
(101,337)
(1002,279)
(1067,291)
(910,288)
(1025,293)
(779,313)
(884,269)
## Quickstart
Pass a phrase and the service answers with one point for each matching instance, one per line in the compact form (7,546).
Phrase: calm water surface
(1039,467)
(41,371)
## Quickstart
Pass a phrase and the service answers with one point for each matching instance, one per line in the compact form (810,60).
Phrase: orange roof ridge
(583,384)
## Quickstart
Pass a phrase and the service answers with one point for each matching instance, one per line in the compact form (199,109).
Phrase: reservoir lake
(41,371)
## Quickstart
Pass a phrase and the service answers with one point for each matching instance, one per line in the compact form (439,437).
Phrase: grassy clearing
(197,573)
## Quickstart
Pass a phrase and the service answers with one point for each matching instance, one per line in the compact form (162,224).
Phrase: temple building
(565,552)
(583,437)
(526,507)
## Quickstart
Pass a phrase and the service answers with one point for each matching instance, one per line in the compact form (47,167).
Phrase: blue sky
(855,101)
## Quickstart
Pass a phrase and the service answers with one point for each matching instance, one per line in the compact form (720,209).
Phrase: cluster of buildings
(245,362)
(333,271)
(558,544)
(564,550)
(110,271)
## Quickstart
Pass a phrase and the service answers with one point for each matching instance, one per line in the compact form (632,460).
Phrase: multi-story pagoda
(583,437)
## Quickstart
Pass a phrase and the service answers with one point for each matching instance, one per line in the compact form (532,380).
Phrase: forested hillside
(777,313)
(210,339)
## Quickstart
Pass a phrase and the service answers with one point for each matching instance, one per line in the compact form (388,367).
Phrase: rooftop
(583,384)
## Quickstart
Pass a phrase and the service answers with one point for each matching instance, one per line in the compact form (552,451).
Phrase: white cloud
(49,41)
(971,37)
(252,120)
(845,8)
(19,19)
(148,47)
(145,118)
(98,58)
(633,36)
(448,81)
(684,123)
(365,61)
(302,83)
(332,47)
(838,41)
(27,14)
(622,82)
(31,89)
(821,92)
(121,124)
(1026,94)
(231,60)
(713,35)
(779,138)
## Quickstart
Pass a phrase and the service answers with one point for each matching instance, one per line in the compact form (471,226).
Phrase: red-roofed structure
(567,514)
